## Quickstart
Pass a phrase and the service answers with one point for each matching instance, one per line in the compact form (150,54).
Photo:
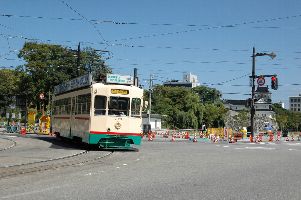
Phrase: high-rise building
(295,103)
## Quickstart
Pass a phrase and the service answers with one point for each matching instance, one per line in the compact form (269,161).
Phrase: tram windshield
(100,105)
(119,106)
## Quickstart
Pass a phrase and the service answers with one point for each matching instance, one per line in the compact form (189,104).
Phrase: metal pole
(253,94)
(150,99)
(78,58)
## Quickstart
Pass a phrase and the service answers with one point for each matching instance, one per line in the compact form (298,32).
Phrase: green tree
(207,94)
(48,65)
(214,114)
(9,82)
(181,106)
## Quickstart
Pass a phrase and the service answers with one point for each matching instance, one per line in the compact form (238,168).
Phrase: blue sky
(210,38)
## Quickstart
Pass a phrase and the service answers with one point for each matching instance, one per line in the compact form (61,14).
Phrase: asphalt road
(172,170)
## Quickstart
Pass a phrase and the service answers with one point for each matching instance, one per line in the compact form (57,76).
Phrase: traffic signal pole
(253,94)
(272,55)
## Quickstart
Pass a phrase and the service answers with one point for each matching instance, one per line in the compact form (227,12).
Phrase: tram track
(78,159)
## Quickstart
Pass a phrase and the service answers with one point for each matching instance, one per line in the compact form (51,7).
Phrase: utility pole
(78,58)
(150,98)
(253,94)
(253,76)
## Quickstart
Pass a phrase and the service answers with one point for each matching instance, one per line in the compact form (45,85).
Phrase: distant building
(295,103)
(155,121)
(189,80)
(236,105)
(263,102)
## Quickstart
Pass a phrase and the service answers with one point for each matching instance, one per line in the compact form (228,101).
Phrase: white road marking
(125,164)
(292,149)
(226,146)
(265,148)
(41,190)
(117,167)
(293,144)
(259,148)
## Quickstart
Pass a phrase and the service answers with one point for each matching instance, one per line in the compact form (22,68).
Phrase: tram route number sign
(260,81)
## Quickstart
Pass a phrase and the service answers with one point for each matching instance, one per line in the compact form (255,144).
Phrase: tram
(107,114)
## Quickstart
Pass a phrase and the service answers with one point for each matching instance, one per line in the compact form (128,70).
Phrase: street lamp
(254,55)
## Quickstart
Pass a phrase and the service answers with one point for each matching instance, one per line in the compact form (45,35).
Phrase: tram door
(72,117)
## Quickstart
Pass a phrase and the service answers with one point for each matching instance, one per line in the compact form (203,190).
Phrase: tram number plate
(119,91)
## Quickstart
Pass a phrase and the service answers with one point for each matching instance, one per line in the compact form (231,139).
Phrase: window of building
(135,107)
(100,103)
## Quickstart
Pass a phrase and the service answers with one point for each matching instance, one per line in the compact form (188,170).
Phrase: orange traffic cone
(278,138)
(194,138)
(150,137)
(173,138)
(286,139)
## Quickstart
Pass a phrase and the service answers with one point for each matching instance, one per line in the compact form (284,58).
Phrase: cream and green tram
(108,115)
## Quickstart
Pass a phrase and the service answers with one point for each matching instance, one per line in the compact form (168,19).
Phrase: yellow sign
(119,91)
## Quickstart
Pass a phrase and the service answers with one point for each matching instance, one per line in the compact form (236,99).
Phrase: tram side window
(62,106)
(100,105)
(83,104)
(135,107)
(119,106)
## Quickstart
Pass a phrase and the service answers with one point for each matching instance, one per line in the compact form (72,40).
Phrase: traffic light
(274,83)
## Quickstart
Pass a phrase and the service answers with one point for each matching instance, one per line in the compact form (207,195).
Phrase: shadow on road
(65,143)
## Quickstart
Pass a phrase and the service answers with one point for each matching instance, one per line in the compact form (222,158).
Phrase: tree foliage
(48,65)
(9,82)
(184,107)
(287,120)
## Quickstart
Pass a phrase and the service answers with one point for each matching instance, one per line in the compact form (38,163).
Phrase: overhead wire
(83,17)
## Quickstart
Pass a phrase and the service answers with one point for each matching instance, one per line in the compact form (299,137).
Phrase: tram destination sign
(118,79)
(73,84)
(119,91)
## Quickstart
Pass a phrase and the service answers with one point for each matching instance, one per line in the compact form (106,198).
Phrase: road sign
(260,81)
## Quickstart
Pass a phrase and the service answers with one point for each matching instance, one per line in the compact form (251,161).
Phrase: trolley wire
(83,17)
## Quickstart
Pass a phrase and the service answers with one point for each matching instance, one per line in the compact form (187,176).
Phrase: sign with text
(118,79)
(76,83)
(119,91)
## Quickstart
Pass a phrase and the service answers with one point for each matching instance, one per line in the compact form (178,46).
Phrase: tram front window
(100,105)
(119,106)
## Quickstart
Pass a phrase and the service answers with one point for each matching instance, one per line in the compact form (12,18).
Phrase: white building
(189,80)
(295,103)
(263,103)
(155,121)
